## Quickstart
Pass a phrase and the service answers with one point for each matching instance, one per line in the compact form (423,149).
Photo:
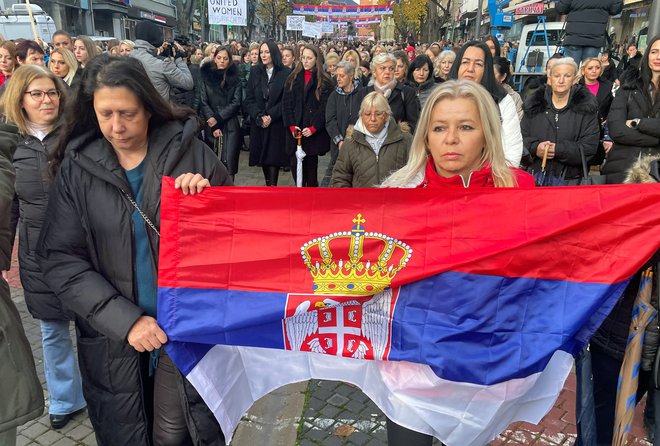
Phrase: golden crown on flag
(368,263)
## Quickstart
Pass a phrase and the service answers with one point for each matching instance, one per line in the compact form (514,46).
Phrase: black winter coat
(628,63)
(264,97)
(301,108)
(342,110)
(86,255)
(22,396)
(224,104)
(631,102)
(195,73)
(612,336)
(587,20)
(404,104)
(573,128)
(609,73)
(32,186)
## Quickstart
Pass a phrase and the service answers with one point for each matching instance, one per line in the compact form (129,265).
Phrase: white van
(15,23)
(537,46)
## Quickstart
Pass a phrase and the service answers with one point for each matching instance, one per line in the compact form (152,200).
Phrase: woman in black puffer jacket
(220,105)
(563,118)
(634,119)
(99,254)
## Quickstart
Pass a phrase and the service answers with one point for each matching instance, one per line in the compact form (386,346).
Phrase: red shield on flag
(349,326)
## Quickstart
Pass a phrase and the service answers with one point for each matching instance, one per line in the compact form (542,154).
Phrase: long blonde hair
(493,153)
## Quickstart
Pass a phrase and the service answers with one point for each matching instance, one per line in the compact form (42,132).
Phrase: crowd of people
(92,131)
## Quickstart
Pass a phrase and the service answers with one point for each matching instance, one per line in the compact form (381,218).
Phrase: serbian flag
(456,312)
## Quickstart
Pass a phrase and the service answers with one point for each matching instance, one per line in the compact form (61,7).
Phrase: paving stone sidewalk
(325,413)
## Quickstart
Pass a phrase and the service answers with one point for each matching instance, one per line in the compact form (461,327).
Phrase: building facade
(110,18)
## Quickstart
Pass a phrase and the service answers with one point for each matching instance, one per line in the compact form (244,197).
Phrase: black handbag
(545,179)
(588,180)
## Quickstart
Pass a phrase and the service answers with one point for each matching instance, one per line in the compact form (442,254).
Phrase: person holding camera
(167,69)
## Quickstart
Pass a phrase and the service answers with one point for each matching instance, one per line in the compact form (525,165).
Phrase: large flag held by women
(457,312)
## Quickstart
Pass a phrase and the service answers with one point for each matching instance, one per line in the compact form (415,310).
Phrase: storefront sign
(154,17)
(534,9)
(227,12)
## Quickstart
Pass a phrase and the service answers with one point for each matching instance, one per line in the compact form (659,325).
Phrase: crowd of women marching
(93,137)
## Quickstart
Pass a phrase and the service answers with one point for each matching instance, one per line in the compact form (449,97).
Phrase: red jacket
(479,178)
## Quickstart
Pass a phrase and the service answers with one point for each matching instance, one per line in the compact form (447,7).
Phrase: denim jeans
(585,412)
(579,53)
(62,373)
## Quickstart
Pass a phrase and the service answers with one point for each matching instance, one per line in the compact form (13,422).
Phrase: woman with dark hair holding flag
(264,105)
(99,251)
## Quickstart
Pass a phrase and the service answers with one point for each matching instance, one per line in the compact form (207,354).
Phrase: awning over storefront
(110,6)
(161,19)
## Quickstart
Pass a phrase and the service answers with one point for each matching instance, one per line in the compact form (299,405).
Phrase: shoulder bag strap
(142,214)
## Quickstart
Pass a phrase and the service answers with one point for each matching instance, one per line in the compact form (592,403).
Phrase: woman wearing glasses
(374,148)
(31,106)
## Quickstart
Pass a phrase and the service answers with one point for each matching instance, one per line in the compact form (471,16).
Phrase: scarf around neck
(375,141)
(385,90)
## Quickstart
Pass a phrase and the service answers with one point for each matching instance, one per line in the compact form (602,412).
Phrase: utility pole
(654,19)
(454,6)
(480,7)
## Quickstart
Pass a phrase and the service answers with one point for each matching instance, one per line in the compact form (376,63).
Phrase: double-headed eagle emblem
(353,318)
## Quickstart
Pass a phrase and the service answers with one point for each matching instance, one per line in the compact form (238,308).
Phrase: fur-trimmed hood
(211,74)
(631,79)
(580,101)
(645,170)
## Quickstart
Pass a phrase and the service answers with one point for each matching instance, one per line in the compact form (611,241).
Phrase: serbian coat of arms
(350,310)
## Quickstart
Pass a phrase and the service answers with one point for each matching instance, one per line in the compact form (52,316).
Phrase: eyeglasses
(378,114)
(39,95)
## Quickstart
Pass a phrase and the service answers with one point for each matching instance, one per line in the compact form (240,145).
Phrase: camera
(170,49)
(182,40)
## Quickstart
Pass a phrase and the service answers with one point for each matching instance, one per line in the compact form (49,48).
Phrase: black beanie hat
(149,32)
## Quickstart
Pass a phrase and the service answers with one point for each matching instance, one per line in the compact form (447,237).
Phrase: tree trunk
(185,9)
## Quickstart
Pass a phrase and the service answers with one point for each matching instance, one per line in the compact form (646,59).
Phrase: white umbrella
(300,155)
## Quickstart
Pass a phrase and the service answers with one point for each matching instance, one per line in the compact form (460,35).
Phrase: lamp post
(654,19)
(480,7)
